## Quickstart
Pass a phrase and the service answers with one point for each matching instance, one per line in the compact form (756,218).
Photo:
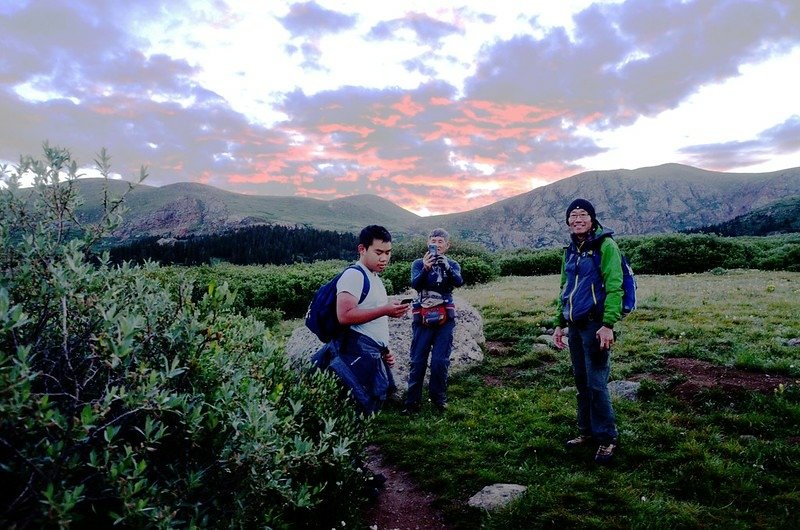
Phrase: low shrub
(682,253)
(411,249)
(476,270)
(398,275)
(287,289)
(528,263)
(674,254)
(785,256)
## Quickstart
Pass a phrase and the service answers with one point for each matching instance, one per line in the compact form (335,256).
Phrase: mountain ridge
(656,199)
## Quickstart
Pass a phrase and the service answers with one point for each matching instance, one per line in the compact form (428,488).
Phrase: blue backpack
(321,316)
(628,283)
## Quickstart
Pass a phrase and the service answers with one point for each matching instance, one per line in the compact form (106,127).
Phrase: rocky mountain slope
(660,199)
(181,209)
(666,198)
(779,217)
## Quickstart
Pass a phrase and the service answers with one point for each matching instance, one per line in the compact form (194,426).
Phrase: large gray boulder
(467,340)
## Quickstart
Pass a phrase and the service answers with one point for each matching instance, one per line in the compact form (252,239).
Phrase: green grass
(718,462)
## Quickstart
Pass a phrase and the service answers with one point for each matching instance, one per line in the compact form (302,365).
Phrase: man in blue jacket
(434,276)
(589,305)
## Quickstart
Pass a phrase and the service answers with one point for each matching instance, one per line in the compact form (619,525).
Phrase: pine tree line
(252,245)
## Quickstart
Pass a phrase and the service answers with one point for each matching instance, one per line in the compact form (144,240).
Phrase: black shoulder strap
(365,286)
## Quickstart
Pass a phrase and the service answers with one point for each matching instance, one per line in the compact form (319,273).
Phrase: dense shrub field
(271,293)
(674,254)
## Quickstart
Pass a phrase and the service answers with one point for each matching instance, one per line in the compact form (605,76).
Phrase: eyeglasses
(576,216)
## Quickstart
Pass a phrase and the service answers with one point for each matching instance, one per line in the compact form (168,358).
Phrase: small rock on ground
(496,496)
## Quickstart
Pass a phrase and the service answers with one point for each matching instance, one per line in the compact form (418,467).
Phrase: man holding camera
(434,276)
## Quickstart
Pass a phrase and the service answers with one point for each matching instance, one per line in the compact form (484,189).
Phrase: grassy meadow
(720,460)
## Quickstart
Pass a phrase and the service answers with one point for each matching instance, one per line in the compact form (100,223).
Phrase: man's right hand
(396,309)
(558,338)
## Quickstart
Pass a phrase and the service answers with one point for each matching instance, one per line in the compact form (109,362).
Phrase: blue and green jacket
(589,292)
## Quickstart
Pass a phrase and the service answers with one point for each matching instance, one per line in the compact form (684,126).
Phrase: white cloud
(734,109)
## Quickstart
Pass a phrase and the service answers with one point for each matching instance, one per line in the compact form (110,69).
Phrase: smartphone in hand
(433,250)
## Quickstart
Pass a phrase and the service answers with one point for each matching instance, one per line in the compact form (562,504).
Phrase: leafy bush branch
(128,401)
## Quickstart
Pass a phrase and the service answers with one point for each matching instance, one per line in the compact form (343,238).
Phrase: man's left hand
(388,358)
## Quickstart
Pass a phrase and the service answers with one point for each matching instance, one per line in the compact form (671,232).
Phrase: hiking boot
(410,409)
(440,407)
(378,480)
(605,453)
(581,440)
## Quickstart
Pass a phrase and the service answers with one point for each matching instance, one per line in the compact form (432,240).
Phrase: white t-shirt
(352,282)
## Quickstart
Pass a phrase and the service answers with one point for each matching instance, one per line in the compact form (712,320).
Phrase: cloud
(308,22)
(101,92)
(785,137)
(633,59)
(782,138)
(430,141)
(428,30)
(309,19)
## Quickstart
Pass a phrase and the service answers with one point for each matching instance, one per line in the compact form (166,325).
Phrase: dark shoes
(378,480)
(411,409)
(374,486)
(580,441)
(415,408)
(605,453)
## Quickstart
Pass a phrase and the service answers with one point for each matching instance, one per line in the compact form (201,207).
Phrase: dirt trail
(401,504)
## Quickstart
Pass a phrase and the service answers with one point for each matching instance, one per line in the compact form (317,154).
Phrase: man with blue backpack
(355,324)
(590,303)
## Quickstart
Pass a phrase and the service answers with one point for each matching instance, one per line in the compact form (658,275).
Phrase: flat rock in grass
(467,340)
(622,389)
(496,496)
(793,342)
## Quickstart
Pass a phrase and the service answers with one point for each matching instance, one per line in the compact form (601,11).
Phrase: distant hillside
(660,199)
(780,217)
(183,209)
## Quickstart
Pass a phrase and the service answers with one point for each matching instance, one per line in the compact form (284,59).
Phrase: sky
(439,106)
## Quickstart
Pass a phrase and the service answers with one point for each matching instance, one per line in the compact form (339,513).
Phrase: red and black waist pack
(433,316)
